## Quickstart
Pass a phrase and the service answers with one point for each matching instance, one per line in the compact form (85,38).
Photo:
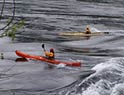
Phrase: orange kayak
(41,58)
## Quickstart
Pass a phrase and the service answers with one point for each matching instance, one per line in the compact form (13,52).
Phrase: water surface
(44,20)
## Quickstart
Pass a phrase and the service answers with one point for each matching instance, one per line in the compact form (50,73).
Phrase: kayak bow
(41,58)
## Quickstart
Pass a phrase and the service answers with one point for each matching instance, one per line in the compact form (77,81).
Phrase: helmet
(51,50)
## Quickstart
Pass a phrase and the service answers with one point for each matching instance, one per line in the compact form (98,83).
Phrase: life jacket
(50,54)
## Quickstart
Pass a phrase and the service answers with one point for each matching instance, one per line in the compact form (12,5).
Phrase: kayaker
(87,31)
(50,55)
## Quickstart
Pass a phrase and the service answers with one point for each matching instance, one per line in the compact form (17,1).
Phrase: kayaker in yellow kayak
(87,31)
(49,54)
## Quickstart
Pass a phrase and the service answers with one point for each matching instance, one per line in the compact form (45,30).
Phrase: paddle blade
(43,46)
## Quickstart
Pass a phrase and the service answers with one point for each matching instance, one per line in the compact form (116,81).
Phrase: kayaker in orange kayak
(44,59)
(87,31)
(49,54)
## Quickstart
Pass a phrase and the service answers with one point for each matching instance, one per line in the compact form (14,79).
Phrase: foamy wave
(114,63)
(93,29)
(108,79)
(118,89)
(102,87)
(61,65)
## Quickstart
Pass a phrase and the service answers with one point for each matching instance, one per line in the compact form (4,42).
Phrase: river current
(101,57)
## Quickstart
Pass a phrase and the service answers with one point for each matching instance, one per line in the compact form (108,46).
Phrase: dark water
(44,19)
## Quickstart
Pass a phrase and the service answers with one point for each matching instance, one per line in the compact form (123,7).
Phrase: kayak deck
(41,58)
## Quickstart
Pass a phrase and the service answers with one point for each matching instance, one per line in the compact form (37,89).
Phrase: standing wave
(107,80)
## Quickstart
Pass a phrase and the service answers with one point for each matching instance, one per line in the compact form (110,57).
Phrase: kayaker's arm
(47,53)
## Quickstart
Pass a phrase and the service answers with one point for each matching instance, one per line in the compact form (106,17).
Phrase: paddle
(43,46)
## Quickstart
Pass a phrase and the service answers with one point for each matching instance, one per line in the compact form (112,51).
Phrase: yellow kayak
(82,34)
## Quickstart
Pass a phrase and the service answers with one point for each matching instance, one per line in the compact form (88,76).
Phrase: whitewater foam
(107,80)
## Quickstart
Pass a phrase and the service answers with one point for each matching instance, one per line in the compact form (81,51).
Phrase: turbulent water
(101,57)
